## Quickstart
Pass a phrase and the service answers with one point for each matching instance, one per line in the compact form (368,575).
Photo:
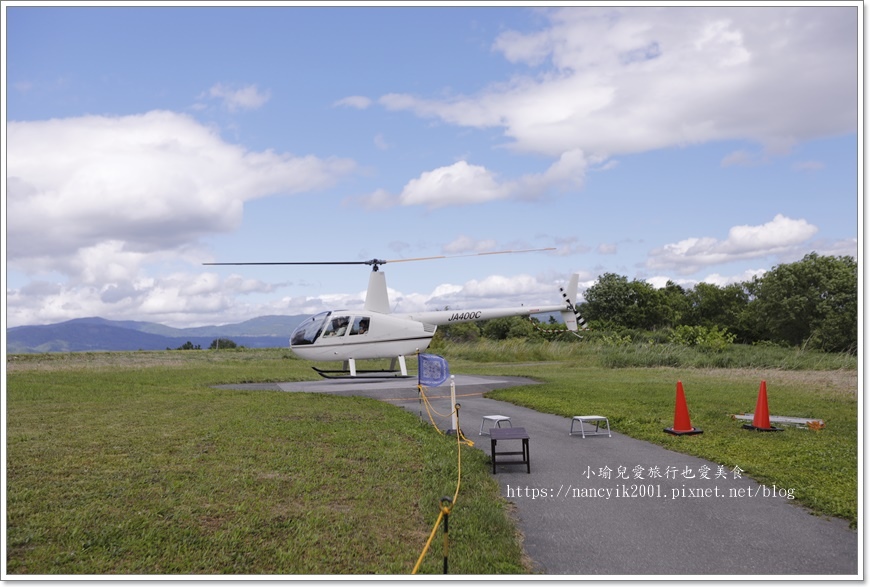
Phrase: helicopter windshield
(309,330)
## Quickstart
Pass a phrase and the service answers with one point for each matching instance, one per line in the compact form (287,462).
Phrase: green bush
(222,343)
(710,338)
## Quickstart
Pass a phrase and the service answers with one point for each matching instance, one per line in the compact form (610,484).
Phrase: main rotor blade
(369,262)
(377,262)
(470,255)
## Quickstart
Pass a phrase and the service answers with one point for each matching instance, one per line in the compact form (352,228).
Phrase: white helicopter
(376,333)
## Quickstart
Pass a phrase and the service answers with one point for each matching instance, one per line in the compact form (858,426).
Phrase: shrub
(712,338)
(222,343)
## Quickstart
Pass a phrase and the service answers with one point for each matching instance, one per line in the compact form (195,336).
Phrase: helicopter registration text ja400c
(376,333)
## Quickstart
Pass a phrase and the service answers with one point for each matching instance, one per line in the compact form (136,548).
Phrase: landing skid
(373,374)
(350,371)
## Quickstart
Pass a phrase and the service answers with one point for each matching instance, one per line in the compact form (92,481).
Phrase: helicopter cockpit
(322,327)
(309,330)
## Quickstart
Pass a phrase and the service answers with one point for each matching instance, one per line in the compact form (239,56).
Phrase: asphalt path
(618,506)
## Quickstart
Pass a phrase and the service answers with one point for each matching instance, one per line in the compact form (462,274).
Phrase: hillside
(99,334)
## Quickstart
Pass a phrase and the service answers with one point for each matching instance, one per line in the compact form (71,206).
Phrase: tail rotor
(570,315)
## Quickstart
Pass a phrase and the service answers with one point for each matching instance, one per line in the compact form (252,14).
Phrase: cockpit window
(337,326)
(309,330)
(360,325)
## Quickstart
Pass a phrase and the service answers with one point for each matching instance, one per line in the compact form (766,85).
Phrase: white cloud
(779,233)
(841,248)
(493,291)
(808,166)
(98,199)
(532,48)
(177,299)
(244,98)
(463,183)
(610,81)
(136,184)
(571,245)
(381,143)
(780,236)
(446,289)
(847,247)
(742,158)
(377,200)
(459,183)
(723,280)
(358,102)
(466,244)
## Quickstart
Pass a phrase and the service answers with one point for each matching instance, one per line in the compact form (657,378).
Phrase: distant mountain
(99,334)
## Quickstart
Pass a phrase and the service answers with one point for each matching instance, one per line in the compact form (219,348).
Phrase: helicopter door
(336,327)
(360,325)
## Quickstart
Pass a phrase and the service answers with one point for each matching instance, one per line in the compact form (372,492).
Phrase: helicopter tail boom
(569,313)
(444,317)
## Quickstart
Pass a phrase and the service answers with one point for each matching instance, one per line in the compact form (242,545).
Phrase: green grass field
(131,463)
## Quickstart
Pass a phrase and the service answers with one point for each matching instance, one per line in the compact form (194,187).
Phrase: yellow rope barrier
(445,510)
(430,410)
(428,542)
(429,404)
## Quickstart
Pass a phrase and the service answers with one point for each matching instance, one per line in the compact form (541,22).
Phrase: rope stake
(446,511)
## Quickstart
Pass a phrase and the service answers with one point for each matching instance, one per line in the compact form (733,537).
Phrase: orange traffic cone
(682,424)
(761,417)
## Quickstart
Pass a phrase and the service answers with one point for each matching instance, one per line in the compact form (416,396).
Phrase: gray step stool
(597,419)
(496,421)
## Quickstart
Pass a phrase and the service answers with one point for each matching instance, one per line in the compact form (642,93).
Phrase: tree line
(216,344)
(811,303)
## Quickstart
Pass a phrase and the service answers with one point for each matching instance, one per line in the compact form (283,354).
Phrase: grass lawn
(129,463)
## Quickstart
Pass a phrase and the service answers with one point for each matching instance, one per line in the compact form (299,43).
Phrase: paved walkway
(578,521)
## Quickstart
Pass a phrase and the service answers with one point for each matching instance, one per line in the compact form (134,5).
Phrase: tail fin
(570,315)
(377,298)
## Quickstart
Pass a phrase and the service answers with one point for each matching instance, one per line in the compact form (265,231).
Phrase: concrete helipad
(617,506)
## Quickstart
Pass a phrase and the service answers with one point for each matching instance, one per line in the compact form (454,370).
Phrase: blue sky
(691,144)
